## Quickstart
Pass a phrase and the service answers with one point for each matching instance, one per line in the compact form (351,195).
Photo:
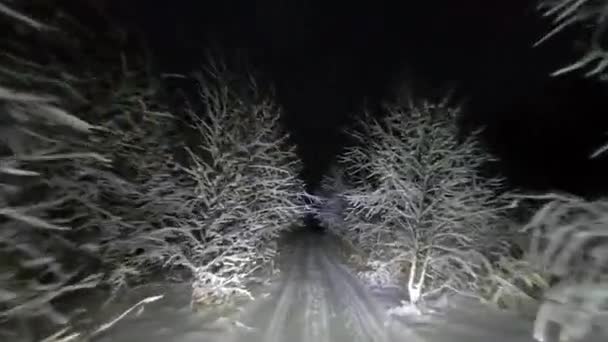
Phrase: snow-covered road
(315,299)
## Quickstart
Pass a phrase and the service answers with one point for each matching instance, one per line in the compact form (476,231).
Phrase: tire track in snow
(356,306)
(316,310)
(277,324)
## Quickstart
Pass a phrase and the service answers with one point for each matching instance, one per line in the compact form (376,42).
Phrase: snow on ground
(316,298)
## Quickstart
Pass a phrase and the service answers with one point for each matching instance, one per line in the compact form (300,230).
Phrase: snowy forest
(134,196)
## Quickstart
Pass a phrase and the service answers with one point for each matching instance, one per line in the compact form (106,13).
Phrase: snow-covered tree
(247,191)
(416,204)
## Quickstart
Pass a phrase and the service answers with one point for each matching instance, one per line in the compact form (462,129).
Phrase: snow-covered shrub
(570,242)
(589,14)
(414,201)
(514,284)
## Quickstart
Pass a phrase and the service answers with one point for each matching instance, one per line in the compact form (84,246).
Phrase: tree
(247,186)
(415,201)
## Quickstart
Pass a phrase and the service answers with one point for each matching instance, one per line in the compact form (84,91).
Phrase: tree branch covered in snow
(413,200)
(590,14)
(9,11)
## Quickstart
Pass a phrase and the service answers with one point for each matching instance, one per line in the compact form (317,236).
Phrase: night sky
(327,59)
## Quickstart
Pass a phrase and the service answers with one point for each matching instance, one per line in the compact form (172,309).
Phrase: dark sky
(326,58)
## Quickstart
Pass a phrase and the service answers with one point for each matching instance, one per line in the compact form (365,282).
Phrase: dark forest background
(328,60)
